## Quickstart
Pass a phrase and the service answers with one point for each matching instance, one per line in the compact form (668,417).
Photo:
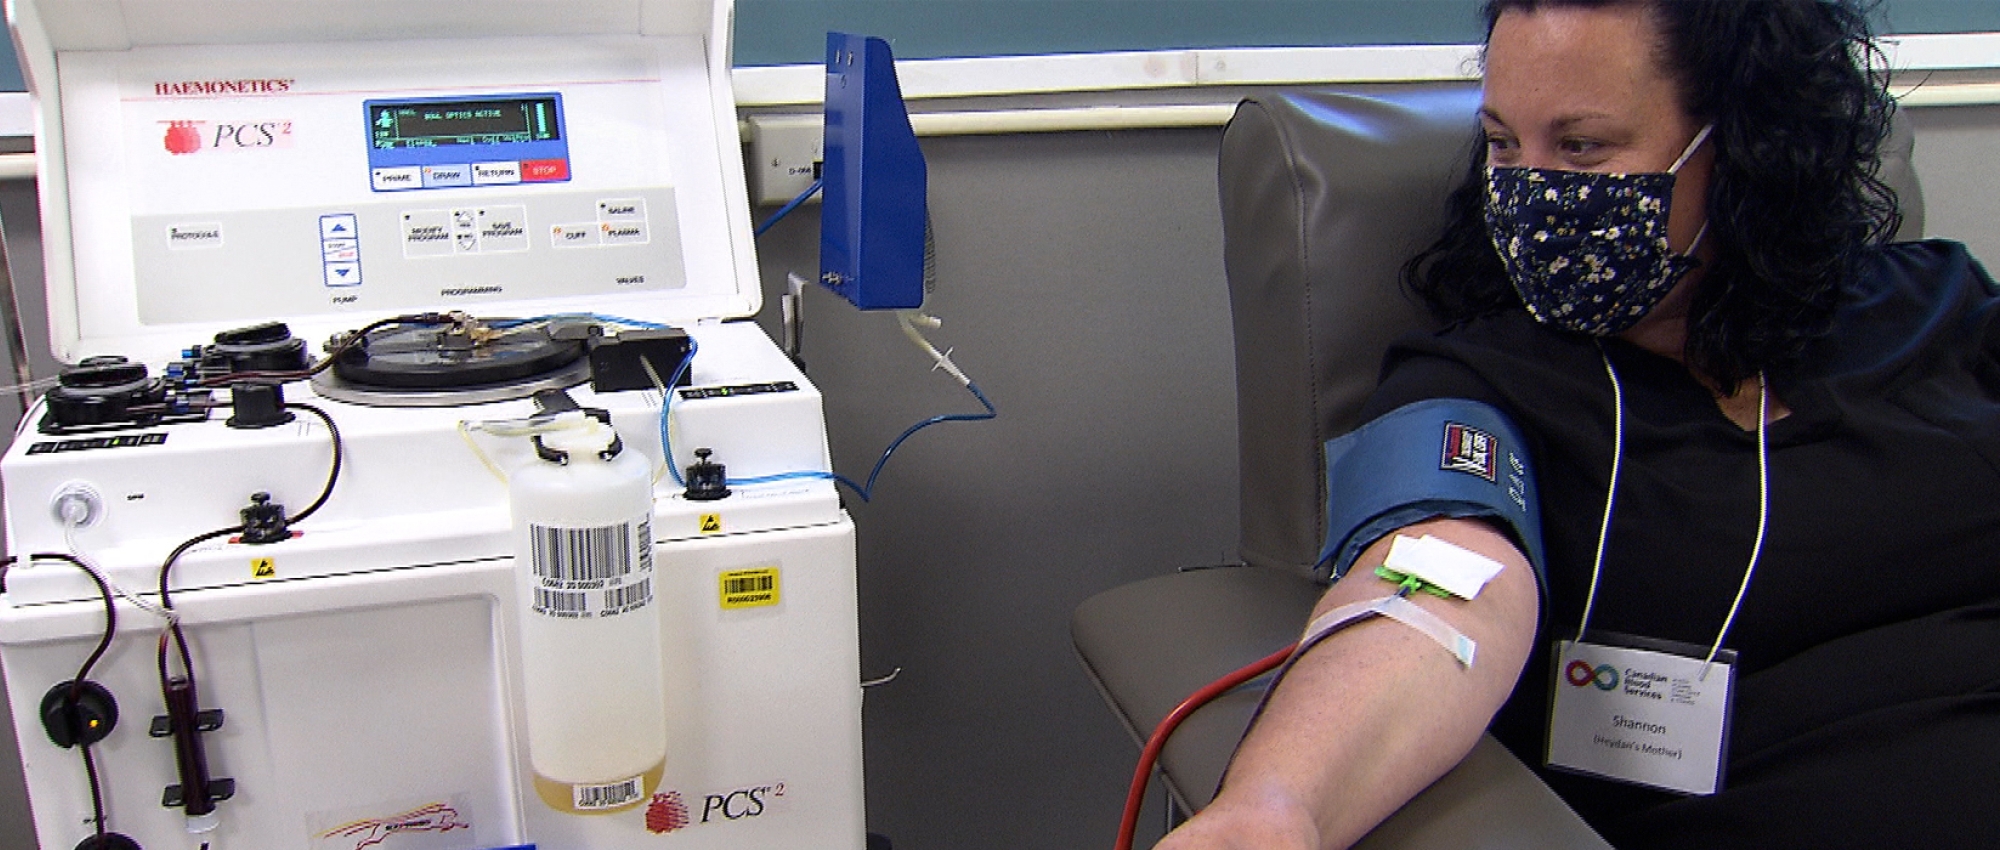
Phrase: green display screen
(486,121)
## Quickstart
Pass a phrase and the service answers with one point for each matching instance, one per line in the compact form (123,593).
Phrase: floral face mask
(1586,251)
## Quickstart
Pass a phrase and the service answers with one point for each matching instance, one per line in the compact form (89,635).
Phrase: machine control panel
(458,142)
(227,184)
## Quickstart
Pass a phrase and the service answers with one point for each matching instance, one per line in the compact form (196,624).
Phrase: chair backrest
(1324,195)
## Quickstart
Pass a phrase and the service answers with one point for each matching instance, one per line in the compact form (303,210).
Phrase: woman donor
(1766,447)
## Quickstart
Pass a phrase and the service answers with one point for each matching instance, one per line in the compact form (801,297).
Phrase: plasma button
(623,234)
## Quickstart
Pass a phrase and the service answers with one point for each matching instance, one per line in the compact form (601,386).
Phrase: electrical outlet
(785,156)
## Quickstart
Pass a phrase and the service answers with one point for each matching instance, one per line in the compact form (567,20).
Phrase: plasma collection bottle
(590,633)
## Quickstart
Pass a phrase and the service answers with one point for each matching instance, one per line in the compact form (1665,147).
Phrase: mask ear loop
(1693,146)
(1696,244)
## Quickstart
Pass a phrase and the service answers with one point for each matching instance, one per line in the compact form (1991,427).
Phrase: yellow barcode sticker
(749,588)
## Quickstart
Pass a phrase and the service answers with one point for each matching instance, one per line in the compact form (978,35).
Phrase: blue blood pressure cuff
(1436,458)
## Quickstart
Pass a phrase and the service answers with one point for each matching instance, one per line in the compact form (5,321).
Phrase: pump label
(585,573)
(750,588)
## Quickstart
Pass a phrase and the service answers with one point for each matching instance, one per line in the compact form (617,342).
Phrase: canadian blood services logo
(1579,673)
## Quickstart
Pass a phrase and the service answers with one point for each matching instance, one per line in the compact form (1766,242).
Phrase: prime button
(398,179)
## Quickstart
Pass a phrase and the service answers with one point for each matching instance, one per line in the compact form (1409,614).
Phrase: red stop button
(544,170)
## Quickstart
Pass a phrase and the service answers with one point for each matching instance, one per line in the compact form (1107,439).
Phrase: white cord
(1763,516)
(909,319)
(89,566)
(31,386)
(529,427)
(1610,490)
(465,433)
(1763,505)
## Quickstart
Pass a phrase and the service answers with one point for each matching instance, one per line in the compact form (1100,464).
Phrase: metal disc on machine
(451,364)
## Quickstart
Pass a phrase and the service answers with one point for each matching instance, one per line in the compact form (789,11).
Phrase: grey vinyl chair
(1324,195)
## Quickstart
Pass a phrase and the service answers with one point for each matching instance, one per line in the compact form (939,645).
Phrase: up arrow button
(337,226)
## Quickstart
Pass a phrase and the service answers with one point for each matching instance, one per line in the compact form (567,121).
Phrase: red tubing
(1151,754)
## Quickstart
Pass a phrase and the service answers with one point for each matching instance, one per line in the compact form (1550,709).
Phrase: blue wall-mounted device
(873,214)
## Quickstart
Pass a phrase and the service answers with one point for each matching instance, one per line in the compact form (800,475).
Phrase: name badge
(1644,713)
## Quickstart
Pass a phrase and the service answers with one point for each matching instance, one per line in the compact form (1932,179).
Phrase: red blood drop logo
(666,813)
(182,138)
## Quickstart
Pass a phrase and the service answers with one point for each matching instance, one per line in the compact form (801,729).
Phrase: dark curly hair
(1800,108)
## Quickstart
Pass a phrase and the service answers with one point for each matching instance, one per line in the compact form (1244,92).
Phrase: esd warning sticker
(749,588)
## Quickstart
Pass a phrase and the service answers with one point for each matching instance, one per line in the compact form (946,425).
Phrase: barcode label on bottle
(586,573)
(749,588)
(631,597)
(593,797)
(561,603)
(584,554)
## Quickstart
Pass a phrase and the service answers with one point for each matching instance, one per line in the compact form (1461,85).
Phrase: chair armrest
(1489,801)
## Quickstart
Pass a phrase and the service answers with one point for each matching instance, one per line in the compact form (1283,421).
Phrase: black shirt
(1867,705)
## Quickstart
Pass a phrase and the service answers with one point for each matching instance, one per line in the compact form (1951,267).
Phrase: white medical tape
(1395,608)
(1441,564)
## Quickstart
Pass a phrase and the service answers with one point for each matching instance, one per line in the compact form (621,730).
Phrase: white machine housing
(210,165)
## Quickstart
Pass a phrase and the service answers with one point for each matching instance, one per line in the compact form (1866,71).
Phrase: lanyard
(1610,492)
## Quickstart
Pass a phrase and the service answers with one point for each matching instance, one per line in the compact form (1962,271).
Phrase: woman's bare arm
(1375,713)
